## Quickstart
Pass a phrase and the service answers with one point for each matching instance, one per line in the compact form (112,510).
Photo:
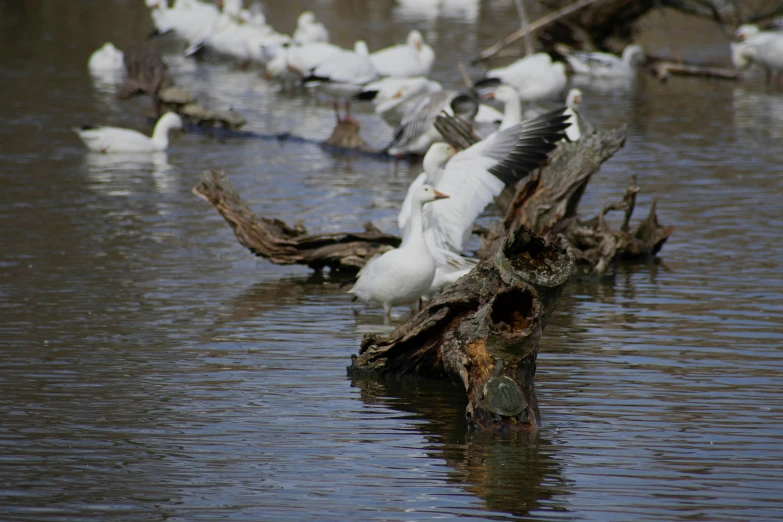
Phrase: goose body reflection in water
(124,174)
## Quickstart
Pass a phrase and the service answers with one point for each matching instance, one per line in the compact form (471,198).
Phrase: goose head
(574,98)
(633,55)
(305,19)
(360,47)
(416,40)
(503,93)
(232,8)
(426,194)
(746,31)
(170,121)
(436,158)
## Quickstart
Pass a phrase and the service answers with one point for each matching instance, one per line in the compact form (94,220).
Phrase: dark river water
(151,368)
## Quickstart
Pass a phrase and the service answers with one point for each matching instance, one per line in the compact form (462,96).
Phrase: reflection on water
(117,174)
(151,368)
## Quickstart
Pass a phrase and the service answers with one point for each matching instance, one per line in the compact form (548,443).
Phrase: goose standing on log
(414,58)
(535,77)
(402,275)
(118,140)
(607,65)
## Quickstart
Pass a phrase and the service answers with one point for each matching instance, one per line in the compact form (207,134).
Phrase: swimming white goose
(535,77)
(476,175)
(343,75)
(394,97)
(117,140)
(413,58)
(763,48)
(607,65)
(190,20)
(310,30)
(107,58)
(402,275)
(417,130)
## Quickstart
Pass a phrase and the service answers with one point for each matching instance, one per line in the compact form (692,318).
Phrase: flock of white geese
(437,215)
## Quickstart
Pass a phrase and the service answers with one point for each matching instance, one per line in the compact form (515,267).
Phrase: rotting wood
(548,199)
(283,244)
(482,332)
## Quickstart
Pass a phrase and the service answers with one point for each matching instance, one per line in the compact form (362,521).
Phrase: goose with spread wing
(417,131)
(393,98)
(475,176)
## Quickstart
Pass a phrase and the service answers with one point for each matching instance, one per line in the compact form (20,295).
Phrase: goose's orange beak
(488,96)
(439,195)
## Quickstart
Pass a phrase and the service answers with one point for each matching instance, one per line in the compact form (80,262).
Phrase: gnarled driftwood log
(547,202)
(483,332)
(285,245)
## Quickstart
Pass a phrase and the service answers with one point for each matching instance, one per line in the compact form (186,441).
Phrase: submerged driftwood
(483,331)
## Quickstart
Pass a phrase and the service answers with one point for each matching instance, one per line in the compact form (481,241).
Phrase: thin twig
(525,27)
(535,26)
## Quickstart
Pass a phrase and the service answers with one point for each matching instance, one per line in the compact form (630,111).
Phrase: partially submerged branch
(285,245)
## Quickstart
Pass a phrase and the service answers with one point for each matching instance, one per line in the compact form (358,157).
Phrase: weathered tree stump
(285,245)
(547,202)
(483,331)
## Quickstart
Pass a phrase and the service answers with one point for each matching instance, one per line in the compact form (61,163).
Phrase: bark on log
(285,245)
(547,201)
(483,332)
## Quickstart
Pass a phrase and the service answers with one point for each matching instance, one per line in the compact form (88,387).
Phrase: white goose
(512,106)
(535,77)
(763,48)
(343,75)
(107,58)
(414,58)
(402,275)
(394,97)
(310,30)
(607,65)
(573,100)
(190,20)
(417,130)
(117,140)
(476,175)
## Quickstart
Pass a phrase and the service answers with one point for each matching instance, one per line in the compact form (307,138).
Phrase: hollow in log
(483,331)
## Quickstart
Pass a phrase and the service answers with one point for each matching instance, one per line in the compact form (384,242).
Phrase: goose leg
(348,111)
(387,314)
(336,110)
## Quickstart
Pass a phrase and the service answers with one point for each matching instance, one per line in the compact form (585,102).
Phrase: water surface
(152,369)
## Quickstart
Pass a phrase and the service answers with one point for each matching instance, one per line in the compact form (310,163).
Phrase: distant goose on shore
(535,77)
(117,140)
(413,58)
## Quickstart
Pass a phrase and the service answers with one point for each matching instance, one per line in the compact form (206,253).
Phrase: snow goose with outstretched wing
(394,97)
(475,176)
(417,131)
